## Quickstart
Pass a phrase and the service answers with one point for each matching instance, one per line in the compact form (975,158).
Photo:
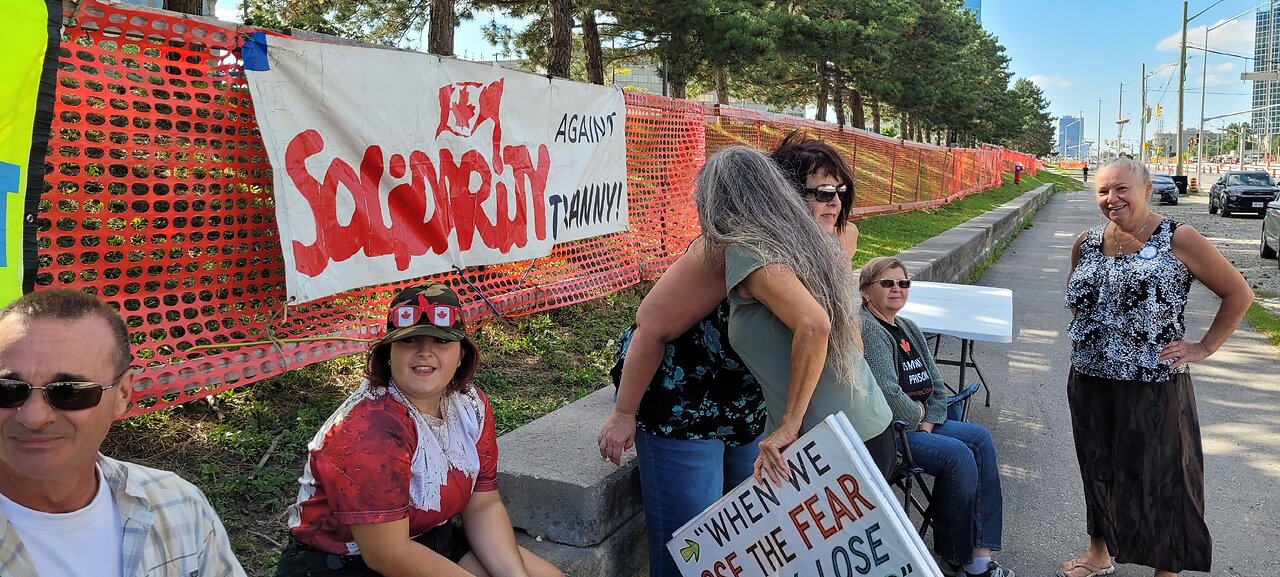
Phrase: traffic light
(1158,108)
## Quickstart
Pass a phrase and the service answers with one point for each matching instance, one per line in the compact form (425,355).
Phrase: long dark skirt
(1139,449)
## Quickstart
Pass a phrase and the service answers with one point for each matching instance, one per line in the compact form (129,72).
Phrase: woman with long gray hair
(793,306)
(684,397)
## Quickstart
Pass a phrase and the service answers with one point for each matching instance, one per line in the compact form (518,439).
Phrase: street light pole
(1142,119)
(1099,141)
(1204,75)
(1182,80)
(1119,126)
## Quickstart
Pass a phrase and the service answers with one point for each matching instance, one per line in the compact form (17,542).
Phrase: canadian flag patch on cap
(405,316)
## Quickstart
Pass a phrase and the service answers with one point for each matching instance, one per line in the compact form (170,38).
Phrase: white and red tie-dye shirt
(377,459)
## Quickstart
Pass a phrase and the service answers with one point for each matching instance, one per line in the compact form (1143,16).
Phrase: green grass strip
(1265,321)
(892,234)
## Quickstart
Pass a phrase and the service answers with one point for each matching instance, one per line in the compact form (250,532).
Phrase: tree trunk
(875,116)
(904,126)
(856,111)
(560,45)
(185,6)
(824,95)
(722,85)
(443,20)
(837,92)
(679,88)
(591,45)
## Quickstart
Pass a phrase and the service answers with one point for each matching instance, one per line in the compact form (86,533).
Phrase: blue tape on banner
(10,177)
(254,52)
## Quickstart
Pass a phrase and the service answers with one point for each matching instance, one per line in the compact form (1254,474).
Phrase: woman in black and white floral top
(1133,410)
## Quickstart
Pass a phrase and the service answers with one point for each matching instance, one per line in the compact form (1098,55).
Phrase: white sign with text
(835,517)
(391,164)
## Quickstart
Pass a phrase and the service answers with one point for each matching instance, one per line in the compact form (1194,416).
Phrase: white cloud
(1224,67)
(1235,37)
(1046,81)
(227,10)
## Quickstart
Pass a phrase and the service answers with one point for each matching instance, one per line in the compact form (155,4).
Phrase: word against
(585,127)
(832,517)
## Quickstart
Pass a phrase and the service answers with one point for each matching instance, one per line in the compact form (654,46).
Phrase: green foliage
(1030,110)
(927,60)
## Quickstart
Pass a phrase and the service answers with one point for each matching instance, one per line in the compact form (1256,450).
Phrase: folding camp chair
(907,476)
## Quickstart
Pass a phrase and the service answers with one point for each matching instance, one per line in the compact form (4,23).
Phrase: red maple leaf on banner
(462,109)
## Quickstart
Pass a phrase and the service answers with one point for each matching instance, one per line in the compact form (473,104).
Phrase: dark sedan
(1242,191)
(1164,189)
(1269,245)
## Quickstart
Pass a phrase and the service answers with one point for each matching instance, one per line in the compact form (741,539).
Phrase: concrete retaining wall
(951,256)
(585,515)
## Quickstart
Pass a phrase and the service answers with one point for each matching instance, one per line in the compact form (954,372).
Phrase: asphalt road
(1238,395)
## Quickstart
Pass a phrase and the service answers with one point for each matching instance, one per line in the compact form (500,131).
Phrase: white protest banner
(835,517)
(391,165)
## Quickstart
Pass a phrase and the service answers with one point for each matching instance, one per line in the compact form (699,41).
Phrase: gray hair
(744,200)
(1134,167)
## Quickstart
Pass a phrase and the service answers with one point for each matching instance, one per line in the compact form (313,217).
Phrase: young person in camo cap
(413,447)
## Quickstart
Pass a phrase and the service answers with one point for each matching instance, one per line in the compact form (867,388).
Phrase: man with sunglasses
(65,509)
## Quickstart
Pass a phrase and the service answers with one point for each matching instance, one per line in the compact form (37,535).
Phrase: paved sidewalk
(1238,391)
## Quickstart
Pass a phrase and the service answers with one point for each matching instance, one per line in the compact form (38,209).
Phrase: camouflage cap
(430,309)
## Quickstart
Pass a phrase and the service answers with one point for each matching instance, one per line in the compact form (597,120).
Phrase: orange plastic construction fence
(158,199)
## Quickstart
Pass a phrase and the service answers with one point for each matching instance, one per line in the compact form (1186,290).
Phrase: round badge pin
(1148,252)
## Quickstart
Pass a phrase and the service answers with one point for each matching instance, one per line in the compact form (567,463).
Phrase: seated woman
(684,396)
(410,449)
(967,506)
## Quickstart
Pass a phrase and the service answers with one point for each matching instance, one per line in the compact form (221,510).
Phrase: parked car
(1269,244)
(1242,191)
(1163,187)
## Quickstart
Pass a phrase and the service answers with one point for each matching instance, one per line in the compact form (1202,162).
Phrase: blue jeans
(967,506)
(680,478)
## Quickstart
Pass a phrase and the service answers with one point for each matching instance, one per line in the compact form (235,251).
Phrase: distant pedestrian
(1133,411)
(1084,171)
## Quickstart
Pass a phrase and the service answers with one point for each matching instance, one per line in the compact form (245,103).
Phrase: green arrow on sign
(690,551)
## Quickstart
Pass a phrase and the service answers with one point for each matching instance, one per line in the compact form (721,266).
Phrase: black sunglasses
(63,395)
(888,283)
(825,192)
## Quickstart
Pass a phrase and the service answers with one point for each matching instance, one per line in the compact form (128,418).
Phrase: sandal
(1078,567)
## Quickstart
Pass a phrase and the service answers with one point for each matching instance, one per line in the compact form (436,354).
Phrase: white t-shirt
(83,543)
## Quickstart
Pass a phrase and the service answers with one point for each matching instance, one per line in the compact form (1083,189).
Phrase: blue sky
(1079,52)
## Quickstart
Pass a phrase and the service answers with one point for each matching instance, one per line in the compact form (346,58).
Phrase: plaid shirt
(169,528)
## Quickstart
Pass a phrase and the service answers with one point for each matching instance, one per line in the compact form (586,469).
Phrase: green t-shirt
(764,343)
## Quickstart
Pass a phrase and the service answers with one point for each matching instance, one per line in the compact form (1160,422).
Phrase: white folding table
(967,312)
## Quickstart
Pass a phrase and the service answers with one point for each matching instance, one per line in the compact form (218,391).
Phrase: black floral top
(702,390)
(1127,308)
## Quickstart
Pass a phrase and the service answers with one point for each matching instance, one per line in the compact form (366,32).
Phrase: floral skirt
(1143,469)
